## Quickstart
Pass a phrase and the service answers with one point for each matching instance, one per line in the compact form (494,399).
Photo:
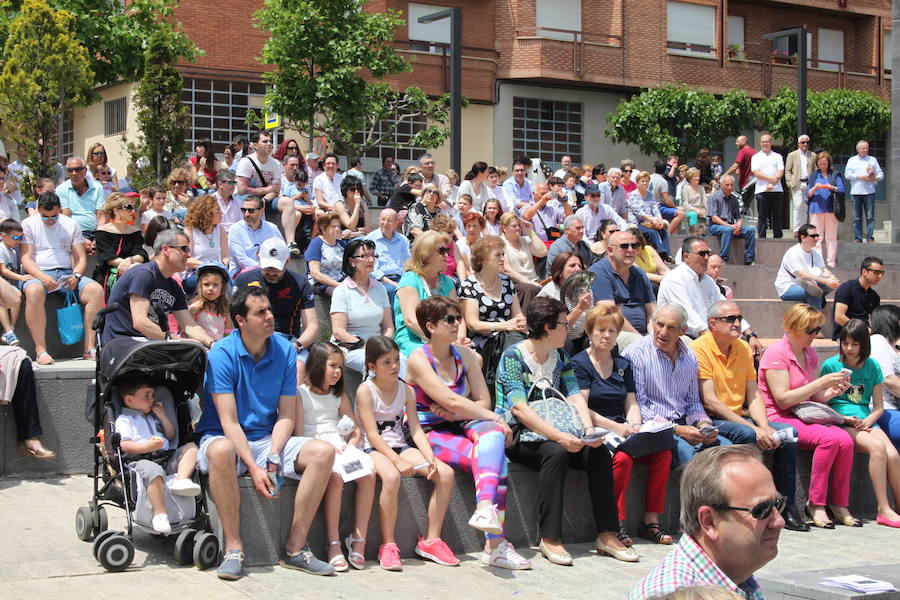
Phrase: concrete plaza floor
(40,557)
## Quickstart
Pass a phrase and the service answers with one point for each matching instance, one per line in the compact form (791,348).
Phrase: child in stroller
(145,428)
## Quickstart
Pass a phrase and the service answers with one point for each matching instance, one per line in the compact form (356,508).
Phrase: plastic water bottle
(274,471)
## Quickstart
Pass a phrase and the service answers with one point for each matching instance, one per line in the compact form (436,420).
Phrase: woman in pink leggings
(787,376)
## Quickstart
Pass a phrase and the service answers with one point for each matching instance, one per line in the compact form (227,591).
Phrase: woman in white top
(885,326)
(474,185)
(473,226)
(520,250)
(493,208)
(693,197)
(322,404)
(209,242)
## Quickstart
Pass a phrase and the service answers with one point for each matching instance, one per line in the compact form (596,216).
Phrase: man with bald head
(726,222)
(622,283)
(741,164)
(392,249)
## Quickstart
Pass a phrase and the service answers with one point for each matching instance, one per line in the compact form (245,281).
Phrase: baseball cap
(592,189)
(273,254)
(312,156)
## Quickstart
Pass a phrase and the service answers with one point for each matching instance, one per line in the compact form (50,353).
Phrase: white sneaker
(183,487)
(161,524)
(486,519)
(505,557)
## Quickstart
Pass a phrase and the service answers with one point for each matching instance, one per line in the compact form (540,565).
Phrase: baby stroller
(176,369)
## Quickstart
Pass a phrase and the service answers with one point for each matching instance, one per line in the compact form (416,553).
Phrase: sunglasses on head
(762,510)
(632,245)
(248,210)
(813,330)
(730,318)
(451,319)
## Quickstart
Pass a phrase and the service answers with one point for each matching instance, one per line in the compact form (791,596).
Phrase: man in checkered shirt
(730,515)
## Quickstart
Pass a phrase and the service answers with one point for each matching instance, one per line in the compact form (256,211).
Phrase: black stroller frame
(180,366)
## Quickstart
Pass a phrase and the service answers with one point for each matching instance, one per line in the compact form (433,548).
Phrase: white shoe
(183,487)
(161,524)
(486,519)
(505,557)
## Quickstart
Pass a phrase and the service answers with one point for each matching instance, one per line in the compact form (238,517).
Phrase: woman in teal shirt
(866,381)
(422,279)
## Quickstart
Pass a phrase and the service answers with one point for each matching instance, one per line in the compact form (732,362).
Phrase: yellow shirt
(645,260)
(730,374)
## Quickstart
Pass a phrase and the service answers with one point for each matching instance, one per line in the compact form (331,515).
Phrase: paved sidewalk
(40,557)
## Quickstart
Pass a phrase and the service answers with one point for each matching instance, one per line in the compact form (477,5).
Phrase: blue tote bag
(70,321)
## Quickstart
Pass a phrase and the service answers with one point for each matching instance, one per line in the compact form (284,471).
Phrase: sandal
(357,560)
(36,450)
(338,562)
(624,537)
(815,521)
(44,358)
(90,354)
(655,533)
(847,520)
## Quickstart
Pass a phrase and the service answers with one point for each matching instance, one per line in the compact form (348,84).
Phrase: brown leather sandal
(655,533)
(35,451)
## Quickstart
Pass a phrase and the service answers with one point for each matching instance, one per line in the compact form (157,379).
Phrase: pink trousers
(827,226)
(832,455)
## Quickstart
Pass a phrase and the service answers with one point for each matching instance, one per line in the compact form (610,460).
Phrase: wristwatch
(77,275)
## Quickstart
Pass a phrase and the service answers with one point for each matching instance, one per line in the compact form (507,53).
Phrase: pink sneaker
(389,557)
(437,551)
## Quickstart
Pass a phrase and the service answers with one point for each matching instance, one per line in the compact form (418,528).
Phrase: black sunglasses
(627,170)
(184,249)
(812,235)
(760,511)
(249,210)
(813,330)
(703,253)
(443,251)
(74,169)
(730,318)
(633,246)
(451,319)
(128,207)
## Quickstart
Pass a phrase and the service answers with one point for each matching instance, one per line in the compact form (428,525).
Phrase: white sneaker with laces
(505,557)
(161,524)
(486,519)
(183,487)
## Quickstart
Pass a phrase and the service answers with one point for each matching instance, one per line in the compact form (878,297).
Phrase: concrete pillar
(895,129)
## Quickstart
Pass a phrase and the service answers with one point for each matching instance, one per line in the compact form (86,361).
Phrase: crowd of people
(452,305)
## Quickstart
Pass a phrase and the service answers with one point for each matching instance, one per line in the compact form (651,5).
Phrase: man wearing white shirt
(613,193)
(327,185)
(797,168)
(517,192)
(690,286)
(768,167)
(566,162)
(259,163)
(594,212)
(803,269)
(863,172)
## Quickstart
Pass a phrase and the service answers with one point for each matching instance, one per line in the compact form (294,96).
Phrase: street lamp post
(455,15)
(802,52)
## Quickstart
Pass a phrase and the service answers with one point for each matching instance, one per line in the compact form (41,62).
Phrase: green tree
(328,57)
(161,116)
(835,119)
(46,73)
(679,120)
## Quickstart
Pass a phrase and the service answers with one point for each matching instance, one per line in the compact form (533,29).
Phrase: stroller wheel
(116,553)
(84,524)
(101,537)
(102,520)
(206,551)
(184,547)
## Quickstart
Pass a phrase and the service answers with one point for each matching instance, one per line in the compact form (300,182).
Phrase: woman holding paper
(523,371)
(606,381)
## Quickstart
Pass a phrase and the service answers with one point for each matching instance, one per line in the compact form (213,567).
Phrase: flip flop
(91,355)
(44,358)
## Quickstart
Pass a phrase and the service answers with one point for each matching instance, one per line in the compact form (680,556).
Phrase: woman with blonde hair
(788,376)
(118,242)
(96,158)
(520,250)
(456,268)
(423,279)
(178,199)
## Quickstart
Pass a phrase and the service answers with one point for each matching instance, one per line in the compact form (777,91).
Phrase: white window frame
(558,14)
(219,95)
(693,40)
(424,36)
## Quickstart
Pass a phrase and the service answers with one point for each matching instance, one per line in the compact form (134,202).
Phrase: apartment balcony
(431,69)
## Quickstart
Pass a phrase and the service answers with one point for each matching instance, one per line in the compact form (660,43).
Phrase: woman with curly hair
(209,241)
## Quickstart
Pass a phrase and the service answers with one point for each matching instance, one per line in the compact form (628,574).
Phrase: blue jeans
(667,213)
(859,202)
(784,458)
(684,451)
(725,234)
(890,422)
(659,238)
(796,293)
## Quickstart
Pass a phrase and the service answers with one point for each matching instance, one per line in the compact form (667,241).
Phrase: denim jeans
(784,458)
(685,451)
(890,423)
(796,293)
(861,201)
(725,234)
(658,238)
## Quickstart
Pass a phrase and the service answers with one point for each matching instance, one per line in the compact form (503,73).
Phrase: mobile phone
(594,435)
(708,429)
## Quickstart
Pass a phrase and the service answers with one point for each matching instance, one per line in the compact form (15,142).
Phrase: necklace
(495,287)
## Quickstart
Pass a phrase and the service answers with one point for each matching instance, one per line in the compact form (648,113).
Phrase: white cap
(273,254)
(312,155)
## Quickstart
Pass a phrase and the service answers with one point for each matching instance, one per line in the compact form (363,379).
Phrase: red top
(743,160)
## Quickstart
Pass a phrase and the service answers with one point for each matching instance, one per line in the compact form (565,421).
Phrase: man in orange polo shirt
(729,394)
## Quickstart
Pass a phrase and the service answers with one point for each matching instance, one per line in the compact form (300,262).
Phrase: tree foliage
(679,120)
(835,119)
(161,116)
(328,57)
(45,74)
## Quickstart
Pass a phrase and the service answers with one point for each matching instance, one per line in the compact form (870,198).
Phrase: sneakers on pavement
(232,566)
(307,562)
(295,250)
(183,487)
(437,551)
(486,519)
(160,524)
(505,557)
(10,339)
(389,557)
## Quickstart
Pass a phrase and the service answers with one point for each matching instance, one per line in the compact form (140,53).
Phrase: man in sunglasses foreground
(730,515)
(728,389)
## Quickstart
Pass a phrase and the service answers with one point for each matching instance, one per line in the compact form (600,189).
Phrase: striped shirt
(664,391)
(687,565)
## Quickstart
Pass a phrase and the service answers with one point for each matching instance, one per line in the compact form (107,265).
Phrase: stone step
(758,281)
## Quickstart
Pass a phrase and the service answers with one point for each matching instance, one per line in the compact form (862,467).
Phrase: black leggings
(24,402)
(553,462)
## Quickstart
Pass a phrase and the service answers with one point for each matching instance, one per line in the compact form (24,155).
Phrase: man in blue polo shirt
(82,200)
(250,404)
(621,283)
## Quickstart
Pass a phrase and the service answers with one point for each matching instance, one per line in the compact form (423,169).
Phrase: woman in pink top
(787,376)
(455,267)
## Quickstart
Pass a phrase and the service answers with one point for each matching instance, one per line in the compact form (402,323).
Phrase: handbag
(490,354)
(838,202)
(552,408)
(816,413)
(70,321)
